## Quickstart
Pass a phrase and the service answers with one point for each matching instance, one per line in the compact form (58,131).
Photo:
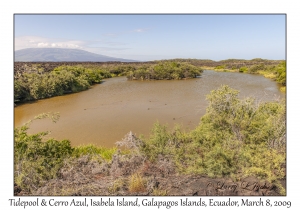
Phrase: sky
(155,37)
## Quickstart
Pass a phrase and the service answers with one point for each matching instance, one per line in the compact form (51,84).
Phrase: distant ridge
(60,54)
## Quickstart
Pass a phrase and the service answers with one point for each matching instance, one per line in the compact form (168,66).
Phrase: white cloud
(42,44)
(103,47)
(35,42)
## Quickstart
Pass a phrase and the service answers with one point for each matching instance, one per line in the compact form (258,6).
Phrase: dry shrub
(131,142)
(159,192)
(137,183)
(117,185)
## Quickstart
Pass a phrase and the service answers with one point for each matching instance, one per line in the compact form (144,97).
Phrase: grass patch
(283,89)
(159,192)
(271,75)
(94,151)
(136,183)
(117,185)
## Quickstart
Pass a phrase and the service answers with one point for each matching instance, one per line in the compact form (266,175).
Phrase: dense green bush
(165,70)
(36,160)
(277,72)
(255,68)
(281,73)
(220,67)
(36,84)
(63,79)
(234,137)
(269,69)
(243,69)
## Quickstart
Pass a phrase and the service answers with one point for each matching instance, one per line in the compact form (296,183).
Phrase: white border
(8,8)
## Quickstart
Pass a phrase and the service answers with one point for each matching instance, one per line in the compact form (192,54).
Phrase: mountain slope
(59,54)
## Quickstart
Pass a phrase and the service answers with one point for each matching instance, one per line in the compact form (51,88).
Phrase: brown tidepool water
(103,114)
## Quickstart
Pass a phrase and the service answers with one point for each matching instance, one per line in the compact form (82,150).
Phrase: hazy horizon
(152,60)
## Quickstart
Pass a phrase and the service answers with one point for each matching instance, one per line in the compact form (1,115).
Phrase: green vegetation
(259,66)
(278,73)
(165,70)
(94,152)
(220,67)
(281,73)
(36,83)
(235,138)
(243,69)
(39,84)
(273,69)
(37,160)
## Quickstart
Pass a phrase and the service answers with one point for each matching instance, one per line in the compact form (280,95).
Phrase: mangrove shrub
(236,137)
(165,70)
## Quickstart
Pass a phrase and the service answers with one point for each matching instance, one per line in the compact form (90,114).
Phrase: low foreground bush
(234,138)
